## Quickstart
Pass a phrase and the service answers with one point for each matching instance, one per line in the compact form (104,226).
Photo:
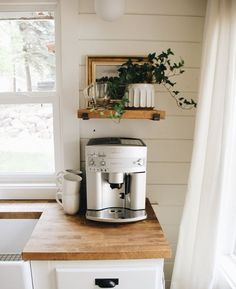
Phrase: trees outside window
(27,52)
(28,94)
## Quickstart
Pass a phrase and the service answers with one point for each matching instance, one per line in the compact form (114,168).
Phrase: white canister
(141,95)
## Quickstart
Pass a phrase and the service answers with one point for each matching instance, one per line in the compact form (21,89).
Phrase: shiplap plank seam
(183,7)
(140,39)
(151,14)
(185,67)
(161,91)
(144,27)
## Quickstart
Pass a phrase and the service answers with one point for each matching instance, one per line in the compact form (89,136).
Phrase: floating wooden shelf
(152,114)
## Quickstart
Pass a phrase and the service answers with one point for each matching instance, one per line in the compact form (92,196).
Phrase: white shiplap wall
(148,26)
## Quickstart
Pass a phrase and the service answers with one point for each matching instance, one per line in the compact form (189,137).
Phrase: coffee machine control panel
(115,159)
(108,165)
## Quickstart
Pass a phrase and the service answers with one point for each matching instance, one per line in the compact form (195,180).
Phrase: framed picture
(99,66)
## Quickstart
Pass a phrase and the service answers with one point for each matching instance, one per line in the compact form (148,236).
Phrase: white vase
(141,95)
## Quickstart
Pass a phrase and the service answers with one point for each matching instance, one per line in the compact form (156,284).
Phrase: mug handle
(58,195)
(87,96)
(59,180)
(86,90)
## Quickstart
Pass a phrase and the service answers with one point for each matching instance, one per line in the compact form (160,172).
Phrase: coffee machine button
(102,163)
(139,162)
(91,162)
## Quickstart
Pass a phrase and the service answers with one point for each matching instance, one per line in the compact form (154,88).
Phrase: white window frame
(65,101)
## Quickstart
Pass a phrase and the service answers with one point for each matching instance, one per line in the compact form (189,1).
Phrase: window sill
(28,191)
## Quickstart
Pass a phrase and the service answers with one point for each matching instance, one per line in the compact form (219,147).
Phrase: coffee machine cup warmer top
(116,179)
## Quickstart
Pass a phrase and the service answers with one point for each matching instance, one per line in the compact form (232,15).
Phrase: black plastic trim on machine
(122,141)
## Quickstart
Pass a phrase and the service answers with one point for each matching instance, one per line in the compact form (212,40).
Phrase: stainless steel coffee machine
(116,179)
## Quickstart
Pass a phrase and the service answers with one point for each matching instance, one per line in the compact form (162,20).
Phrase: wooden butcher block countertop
(61,237)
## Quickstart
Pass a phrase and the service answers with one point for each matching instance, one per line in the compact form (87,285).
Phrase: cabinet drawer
(116,277)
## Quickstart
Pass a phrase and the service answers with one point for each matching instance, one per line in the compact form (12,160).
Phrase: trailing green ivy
(155,69)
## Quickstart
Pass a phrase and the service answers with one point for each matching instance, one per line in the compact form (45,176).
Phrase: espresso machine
(116,179)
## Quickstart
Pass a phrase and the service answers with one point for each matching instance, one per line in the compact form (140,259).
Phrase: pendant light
(110,10)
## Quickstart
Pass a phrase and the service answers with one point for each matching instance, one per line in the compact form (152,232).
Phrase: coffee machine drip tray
(116,215)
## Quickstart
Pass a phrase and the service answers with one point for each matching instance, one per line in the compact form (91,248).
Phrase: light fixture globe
(110,10)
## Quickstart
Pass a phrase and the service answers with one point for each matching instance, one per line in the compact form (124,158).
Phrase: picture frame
(101,65)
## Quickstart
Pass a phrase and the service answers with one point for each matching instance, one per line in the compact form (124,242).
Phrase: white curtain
(208,223)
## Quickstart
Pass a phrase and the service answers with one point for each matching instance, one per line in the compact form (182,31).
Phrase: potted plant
(155,69)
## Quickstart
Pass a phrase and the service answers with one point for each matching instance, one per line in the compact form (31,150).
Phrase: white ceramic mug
(70,203)
(68,196)
(71,184)
(68,183)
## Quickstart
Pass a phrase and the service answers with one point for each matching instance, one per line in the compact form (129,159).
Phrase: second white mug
(71,184)
(68,195)
(70,203)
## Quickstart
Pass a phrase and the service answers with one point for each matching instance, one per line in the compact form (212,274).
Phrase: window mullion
(27,6)
(23,99)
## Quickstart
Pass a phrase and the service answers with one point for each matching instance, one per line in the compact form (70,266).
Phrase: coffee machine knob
(102,163)
(91,162)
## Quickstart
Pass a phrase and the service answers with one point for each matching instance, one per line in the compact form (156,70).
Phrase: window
(28,96)
(39,128)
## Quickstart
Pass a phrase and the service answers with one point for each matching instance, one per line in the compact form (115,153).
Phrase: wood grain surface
(61,237)
(129,113)
(12,209)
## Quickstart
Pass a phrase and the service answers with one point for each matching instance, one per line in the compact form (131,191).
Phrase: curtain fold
(206,229)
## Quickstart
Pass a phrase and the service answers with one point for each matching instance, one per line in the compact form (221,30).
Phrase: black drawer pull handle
(106,283)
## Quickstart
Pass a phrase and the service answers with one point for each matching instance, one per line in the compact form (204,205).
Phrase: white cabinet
(15,275)
(115,277)
(118,274)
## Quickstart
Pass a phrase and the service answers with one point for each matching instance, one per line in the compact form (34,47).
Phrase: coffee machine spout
(116,180)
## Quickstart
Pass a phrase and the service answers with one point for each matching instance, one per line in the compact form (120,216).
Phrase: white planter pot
(141,95)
